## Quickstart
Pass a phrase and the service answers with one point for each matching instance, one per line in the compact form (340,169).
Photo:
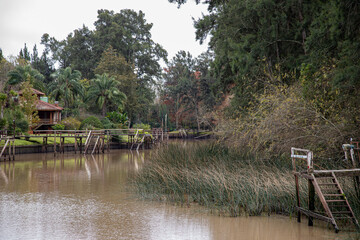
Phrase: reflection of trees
(70,173)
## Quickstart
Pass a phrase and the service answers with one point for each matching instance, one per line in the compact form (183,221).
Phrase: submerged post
(54,142)
(307,156)
(297,198)
(311,201)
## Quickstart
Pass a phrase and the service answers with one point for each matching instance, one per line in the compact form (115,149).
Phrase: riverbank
(36,148)
(227,180)
(66,142)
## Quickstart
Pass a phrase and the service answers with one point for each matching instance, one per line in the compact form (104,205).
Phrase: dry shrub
(280,119)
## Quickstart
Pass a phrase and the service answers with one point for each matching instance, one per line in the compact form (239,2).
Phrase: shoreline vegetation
(228,180)
(35,141)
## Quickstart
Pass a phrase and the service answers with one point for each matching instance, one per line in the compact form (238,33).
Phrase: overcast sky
(25,21)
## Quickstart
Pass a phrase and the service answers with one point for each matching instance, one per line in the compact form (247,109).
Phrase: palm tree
(104,90)
(66,86)
(26,73)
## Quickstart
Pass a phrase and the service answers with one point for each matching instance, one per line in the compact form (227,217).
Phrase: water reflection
(86,197)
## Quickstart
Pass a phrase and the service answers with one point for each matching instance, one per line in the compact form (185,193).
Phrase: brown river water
(84,197)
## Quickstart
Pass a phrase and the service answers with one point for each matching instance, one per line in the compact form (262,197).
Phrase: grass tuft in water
(225,179)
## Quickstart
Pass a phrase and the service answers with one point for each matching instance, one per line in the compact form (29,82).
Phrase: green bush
(117,117)
(2,123)
(23,125)
(20,121)
(71,123)
(91,122)
(58,127)
(142,126)
(107,124)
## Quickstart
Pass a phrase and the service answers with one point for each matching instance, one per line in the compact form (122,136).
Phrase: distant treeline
(277,73)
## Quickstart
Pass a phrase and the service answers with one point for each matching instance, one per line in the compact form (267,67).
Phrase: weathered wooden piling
(326,186)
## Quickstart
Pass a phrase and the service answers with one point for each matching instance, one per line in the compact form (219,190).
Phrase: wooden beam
(338,173)
(304,175)
(311,201)
(297,197)
(313,214)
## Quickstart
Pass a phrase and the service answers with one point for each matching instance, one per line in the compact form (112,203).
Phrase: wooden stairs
(333,199)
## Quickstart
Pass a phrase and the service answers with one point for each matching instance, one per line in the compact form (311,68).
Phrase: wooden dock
(87,141)
(8,150)
(327,187)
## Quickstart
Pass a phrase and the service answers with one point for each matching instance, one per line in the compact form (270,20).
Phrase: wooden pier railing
(87,141)
(327,187)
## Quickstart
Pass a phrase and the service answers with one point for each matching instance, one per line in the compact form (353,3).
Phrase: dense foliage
(305,51)
(277,73)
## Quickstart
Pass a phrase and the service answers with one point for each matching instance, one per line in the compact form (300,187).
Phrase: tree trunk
(103,111)
(301,18)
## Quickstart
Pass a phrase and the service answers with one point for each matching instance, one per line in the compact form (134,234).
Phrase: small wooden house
(49,114)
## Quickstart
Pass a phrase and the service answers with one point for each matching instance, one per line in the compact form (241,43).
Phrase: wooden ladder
(333,199)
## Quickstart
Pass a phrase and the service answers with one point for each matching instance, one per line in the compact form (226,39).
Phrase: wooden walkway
(327,187)
(87,142)
(8,150)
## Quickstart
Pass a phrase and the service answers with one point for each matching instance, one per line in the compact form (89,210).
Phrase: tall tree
(56,49)
(26,73)
(129,33)
(42,64)
(24,53)
(80,45)
(126,31)
(104,90)
(66,86)
(5,68)
(188,87)
(28,101)
(116,66)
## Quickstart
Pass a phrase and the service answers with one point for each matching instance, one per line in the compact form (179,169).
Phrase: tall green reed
(224,178)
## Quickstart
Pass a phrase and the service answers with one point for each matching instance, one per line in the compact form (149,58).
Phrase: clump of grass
(219,177)
(224,178)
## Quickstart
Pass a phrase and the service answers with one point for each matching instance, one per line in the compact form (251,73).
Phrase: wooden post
(311,201)
(61,144)
(298,198)
(14,150)
(10,150)
(54,142)
(43,144)
(108,141)
(75,144)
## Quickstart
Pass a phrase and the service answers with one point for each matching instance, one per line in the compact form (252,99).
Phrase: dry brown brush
(280,119)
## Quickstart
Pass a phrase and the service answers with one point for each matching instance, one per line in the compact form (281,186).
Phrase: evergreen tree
(24,53)
(104,91)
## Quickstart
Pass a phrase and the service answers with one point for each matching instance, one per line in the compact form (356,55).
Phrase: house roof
(37,92)
(44,106)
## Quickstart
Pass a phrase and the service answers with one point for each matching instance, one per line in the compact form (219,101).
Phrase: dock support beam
(311,201)
(298,198)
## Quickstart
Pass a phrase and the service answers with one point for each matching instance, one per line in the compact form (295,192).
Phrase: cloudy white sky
(25,21)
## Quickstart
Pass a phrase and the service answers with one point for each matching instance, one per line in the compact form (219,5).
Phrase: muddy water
(77,197)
